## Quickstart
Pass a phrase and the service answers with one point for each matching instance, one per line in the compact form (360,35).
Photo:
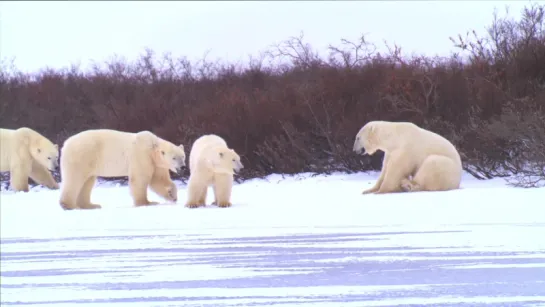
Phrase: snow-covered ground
(298,241)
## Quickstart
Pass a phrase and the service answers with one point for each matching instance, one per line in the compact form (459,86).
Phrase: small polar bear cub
(415,159)
(211,162)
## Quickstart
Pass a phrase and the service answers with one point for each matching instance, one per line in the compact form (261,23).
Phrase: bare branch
(352,53)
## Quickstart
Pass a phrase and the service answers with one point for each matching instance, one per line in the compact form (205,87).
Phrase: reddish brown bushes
(302,116)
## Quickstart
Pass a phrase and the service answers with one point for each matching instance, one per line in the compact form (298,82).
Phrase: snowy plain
(287,241)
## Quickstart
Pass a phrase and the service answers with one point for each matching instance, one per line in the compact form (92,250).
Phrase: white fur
(211,162)
(143,157)
(26,153)
(415,159)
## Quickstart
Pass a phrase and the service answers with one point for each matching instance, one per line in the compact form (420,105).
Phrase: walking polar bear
(211,162)
(26,153)
(143,157)
(415,159)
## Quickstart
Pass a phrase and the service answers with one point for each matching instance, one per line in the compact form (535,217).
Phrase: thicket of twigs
(291,111)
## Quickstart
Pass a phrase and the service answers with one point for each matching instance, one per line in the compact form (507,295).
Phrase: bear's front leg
(223,184)
(396,171)
(42,175)
(149,203)
(383,171)
(196,192)
(19,184)
(139,191)
(18,177)
(162,185)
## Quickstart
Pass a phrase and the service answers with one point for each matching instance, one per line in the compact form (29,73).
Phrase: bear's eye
(163,152)
(174,158)
(39,150)
(221,154)
(234,160)
(48,158)
(357,138)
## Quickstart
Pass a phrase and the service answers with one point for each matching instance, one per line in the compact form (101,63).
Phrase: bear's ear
(181,146)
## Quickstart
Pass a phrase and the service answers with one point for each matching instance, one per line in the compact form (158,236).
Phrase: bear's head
(225,160)
(367,141)
(45,153)
(173,156)
(379,135)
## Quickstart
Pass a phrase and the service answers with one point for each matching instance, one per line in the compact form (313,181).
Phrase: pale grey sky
(56,34)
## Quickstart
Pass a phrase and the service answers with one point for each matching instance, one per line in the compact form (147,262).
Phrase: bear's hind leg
(139,191)
(84,197)
(223,184)
(437,173)
(42,175)
(70,189)
(408,185)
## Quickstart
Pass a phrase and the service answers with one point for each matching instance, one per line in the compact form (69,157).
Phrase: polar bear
(26,153)
(415,159)
(143,157)
(211,162)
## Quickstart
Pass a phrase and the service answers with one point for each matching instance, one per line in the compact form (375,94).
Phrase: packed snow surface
(286,241)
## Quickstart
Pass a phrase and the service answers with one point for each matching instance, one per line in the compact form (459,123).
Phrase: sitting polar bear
(211,162)
(26,153)
(143,157)
(410,151)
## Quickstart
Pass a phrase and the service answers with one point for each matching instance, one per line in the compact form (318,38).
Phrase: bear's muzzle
(54,165)
(238,167)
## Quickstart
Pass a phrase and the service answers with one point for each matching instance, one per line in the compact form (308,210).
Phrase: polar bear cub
(415,159)
(211,162)
(143,157)
(26,153)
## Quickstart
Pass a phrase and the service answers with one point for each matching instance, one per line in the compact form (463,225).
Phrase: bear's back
(439,145)
(108,149)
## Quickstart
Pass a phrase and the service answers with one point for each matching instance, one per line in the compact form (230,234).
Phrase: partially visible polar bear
(211,162)
(26,153)
(143,157)
(415,159)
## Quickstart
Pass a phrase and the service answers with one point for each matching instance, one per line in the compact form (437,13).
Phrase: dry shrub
(291,111)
